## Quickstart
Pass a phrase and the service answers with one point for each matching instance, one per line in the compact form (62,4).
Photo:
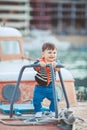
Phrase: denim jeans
(41,92)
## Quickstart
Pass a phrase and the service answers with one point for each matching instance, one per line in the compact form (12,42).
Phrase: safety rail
(53,86)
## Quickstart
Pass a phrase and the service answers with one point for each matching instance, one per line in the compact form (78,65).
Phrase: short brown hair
(48,46)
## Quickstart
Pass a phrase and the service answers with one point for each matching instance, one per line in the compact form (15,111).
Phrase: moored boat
(12,59)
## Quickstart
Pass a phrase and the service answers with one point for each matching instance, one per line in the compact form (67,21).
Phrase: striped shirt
(43,76)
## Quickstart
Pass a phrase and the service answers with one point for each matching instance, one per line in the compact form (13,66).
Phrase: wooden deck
(80,110)
(16,124)
(33,127)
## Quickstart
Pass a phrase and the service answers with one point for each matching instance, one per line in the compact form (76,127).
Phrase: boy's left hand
(57,69)
(54,66)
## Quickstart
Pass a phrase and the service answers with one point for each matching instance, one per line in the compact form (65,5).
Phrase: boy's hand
(57,69)
(43,64)
(54,66)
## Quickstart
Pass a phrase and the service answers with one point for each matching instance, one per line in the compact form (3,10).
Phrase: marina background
(67,20)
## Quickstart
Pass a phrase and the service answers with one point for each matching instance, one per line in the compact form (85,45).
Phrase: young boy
(43,89)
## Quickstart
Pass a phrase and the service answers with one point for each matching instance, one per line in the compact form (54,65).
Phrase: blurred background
(63,22)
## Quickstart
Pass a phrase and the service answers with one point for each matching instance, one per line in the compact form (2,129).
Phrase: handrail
(53,86)
(54,91)
(64,91)
(17,85)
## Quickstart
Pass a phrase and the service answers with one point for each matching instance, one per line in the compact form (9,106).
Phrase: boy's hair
(48,46)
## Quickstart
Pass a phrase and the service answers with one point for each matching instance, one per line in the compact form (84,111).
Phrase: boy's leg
(49,95)
(51,107)
(38,98)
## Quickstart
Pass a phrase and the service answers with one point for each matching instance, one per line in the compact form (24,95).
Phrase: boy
(43,89)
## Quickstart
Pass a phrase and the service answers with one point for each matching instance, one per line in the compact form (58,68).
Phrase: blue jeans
(40,93)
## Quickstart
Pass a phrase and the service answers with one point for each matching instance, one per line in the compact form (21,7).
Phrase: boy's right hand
(43,64)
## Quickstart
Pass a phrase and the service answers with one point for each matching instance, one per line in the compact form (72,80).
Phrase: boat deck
(14,124)
(32,127)
(80,110)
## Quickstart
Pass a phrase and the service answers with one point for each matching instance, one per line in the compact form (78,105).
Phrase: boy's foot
(38,114)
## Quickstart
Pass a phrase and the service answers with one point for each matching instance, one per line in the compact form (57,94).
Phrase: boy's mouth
(51,58)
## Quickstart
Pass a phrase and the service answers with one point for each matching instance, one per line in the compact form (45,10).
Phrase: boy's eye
(49,52)
(52,53)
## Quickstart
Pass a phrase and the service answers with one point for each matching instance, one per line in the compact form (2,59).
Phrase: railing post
(18,82)
(64,91)
(54,91)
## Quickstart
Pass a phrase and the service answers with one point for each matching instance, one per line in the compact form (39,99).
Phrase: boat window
(10,47)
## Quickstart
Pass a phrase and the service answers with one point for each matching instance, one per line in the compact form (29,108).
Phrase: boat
(17,84)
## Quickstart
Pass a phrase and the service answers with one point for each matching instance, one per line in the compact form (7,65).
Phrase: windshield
(10,47)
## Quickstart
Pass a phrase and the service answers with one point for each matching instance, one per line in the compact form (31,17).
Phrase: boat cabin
(11,44)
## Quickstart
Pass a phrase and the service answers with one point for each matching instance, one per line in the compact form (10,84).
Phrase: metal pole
(64,91)
(54,91)
(17,85)
(15,90)
(18,82)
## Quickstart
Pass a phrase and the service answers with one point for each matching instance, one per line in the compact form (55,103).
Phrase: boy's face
(50,55)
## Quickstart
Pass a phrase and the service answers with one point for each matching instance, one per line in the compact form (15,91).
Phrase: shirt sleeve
(37,68)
